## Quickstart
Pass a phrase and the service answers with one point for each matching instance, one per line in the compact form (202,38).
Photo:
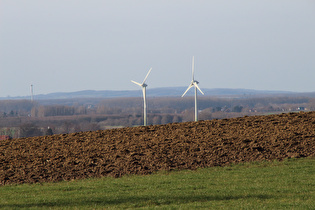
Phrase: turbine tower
(194,83)
(32,93)
(143,86)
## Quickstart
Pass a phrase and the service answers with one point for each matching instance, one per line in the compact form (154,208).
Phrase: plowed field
(143,150)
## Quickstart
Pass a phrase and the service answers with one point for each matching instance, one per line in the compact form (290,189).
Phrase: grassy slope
(273,185)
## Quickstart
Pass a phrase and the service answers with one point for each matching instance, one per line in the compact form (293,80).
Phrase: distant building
(301,108)
(49,132)
(4,137)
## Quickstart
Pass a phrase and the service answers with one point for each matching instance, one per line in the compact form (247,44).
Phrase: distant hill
(158,92)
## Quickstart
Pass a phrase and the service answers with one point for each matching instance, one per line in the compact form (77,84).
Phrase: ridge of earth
(147,149)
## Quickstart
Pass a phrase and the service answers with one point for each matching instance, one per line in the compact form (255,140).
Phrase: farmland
(246,162)
(144,150)
(287,184)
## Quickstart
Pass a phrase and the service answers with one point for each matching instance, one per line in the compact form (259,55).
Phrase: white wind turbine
(195,84)
(143,86)
(32,93)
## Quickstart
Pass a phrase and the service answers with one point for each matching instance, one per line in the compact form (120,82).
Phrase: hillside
(143,150)
(156,92)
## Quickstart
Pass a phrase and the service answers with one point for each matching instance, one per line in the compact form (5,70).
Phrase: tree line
(26,118)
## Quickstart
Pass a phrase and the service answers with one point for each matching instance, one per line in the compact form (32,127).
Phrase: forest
(25,118)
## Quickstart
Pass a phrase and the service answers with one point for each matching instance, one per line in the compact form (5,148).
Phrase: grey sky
(72,45)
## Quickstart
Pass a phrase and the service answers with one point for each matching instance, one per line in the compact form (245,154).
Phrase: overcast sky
(73,45)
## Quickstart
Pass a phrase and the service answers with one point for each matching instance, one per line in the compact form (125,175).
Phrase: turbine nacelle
(143,85)
(193,84)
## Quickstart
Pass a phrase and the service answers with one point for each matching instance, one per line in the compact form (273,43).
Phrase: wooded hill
(160,92)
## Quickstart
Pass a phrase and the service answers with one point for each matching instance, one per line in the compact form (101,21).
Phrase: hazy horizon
(154,92)
(75,45)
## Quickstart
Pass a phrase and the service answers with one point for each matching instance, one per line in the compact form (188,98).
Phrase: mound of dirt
(143,150)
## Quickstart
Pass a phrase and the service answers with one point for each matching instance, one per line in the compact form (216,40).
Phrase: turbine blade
(193,67)
(195,83)
(187,89)
(137,83)
(146,76)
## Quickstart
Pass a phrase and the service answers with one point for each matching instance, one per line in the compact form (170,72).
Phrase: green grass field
(289,184)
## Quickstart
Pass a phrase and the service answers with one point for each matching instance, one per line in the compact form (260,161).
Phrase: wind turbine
(143,86)
(194,83)
(32,92)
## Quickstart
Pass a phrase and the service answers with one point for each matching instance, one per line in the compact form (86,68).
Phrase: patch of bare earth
(143,150)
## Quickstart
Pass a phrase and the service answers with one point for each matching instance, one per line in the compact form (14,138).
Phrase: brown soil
(143,150)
